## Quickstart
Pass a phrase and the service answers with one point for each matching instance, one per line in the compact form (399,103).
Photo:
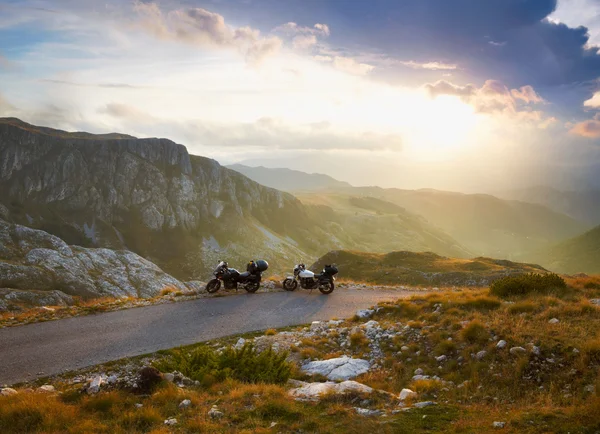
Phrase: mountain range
(113,201)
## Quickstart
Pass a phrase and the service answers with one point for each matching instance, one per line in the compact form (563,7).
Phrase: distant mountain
(581,205)
(179,211)
(287,179)
(485,225)
(410,268)
(576,255)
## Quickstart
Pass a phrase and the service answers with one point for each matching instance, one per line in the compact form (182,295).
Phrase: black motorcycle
(231,277)
(310,280)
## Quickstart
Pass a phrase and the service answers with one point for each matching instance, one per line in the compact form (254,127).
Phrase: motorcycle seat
(245,274)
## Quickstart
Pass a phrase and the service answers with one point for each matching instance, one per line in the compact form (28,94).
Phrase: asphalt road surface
(48,348)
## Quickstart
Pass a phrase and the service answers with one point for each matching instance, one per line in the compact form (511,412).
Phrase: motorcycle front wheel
(252,286)
(326,287)
(290,284)
(213,286)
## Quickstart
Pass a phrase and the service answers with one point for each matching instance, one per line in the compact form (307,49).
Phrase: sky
(464,95)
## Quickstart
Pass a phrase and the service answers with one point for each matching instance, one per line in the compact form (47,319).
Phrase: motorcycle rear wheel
(326,287)
(252,287)
(213,286)
(290,284)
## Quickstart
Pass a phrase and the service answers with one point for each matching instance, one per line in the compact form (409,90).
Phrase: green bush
(527,284)
(244,364)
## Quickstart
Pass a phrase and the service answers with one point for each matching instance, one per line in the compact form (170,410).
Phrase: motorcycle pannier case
(331,270)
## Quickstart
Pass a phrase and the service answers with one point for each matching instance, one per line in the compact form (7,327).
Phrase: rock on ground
(313,391)
(341,368)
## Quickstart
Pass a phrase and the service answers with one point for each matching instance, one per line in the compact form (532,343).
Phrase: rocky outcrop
(35,260)
(149,196)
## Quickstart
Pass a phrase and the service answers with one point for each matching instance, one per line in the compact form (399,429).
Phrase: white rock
(185,403)
(169,377)
(341,368)
(368,412)
(554,321)
(364,313)
(481,354)
(498,424)
(95,385)
(313,391)
(420,377)
(406,393)
(171,421)
(404,348)
(575,351)
(424,404)
(214,413)
(7,391)
(441,358)
(517,350)
(372,324)
(536,350)
(501,344)
(138,405)
(315,325)
(112,379)
(590,388)
(46,388)
(240,343)
(595,301)
(419,371)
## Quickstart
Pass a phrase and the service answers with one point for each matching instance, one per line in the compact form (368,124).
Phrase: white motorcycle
(310,280)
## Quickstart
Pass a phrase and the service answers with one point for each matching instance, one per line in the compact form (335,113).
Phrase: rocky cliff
(35,260)
(149,196)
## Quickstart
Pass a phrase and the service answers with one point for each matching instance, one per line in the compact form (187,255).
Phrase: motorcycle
(310,280)
(231,277)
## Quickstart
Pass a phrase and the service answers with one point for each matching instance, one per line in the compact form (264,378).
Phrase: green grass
(527,284)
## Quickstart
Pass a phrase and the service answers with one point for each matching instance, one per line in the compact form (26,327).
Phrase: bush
(244,364)
(527,284)
(480,303)
(475,332)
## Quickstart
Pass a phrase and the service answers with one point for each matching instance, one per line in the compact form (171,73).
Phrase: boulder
(406,393)
(341,368)
(501,344)
(365,313)
(185,404)
(515,351)
(214,413)
(7,391)
(95,385)
(554,321)
(46,388)
(313,391)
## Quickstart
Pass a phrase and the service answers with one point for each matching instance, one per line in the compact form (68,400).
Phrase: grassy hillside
(579,254)
(421,268)
(483,224)
(374,225)
(581,205)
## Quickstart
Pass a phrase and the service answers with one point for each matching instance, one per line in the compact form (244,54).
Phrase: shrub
(475,332)
(480,303)
(270,332)
(527,284)
(522,307)
(244,364)
(148,378)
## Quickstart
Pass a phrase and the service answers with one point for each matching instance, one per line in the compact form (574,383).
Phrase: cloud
(5,64)
(526,94)
(589,128)
(593,102)
(321,58)
(265,134)
(292,28)
(200,27)
(303,42)
(443,87)
(495,97)
(351,66)
(434,66)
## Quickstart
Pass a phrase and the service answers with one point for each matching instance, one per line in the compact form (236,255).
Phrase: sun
(442,126)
